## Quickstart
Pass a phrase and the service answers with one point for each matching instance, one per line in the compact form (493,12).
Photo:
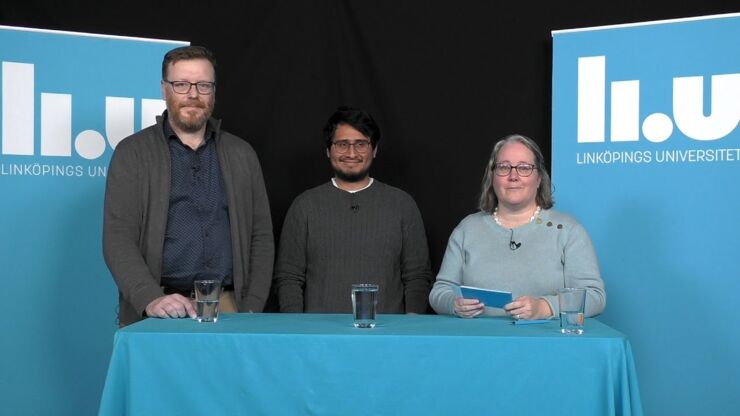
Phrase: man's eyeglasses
(504,169)
(183,87)
(342,146)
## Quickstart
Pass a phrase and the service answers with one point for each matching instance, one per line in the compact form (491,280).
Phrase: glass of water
(572,303)
(364,304)
(207,294)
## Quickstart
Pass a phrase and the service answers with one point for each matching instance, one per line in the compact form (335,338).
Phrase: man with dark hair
(184,201)
(353,229)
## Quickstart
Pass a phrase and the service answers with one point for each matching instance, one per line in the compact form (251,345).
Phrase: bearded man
(352,229)
(185,201)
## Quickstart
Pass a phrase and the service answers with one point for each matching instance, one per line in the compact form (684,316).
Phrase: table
(319,364)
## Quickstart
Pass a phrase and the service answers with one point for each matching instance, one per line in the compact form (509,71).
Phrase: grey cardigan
(135,219)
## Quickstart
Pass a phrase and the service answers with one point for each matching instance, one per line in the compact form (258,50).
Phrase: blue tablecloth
(296,364)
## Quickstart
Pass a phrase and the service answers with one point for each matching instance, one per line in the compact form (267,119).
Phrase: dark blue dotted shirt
(197,242)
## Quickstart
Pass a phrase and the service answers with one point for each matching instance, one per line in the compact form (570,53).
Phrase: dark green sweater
(332,238)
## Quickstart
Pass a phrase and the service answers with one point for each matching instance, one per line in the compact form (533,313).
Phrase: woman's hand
(526,307)
(468,308)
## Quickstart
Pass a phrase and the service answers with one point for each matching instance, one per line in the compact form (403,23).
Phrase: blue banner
(646,153)
(66,100)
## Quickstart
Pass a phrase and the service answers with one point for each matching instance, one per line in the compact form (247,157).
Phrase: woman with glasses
(517,243)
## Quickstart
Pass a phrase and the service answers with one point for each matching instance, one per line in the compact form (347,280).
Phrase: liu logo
(55,122)
(689,113)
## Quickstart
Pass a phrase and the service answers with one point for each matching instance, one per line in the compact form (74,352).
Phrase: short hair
(489,201)
(360,120)
(185,53)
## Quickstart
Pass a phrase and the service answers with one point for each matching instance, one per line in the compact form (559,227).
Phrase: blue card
(489,298)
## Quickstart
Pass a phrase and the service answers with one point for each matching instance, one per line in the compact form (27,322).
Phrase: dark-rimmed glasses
(504,169)
(183,87)
(342,146)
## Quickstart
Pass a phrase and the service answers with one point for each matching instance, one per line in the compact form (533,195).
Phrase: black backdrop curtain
(444,79)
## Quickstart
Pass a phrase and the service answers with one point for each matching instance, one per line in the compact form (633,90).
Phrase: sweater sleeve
(581,269)
(122,222)
(290,270)
(416,271)
(262,253)
(443,294)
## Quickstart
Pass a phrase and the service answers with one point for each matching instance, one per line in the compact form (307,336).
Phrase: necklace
(495,215)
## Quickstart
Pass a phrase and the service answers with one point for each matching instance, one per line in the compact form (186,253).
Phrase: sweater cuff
(553,302)
(416,306)
(141,299)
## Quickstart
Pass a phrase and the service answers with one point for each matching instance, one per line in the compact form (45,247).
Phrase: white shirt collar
(334,182)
